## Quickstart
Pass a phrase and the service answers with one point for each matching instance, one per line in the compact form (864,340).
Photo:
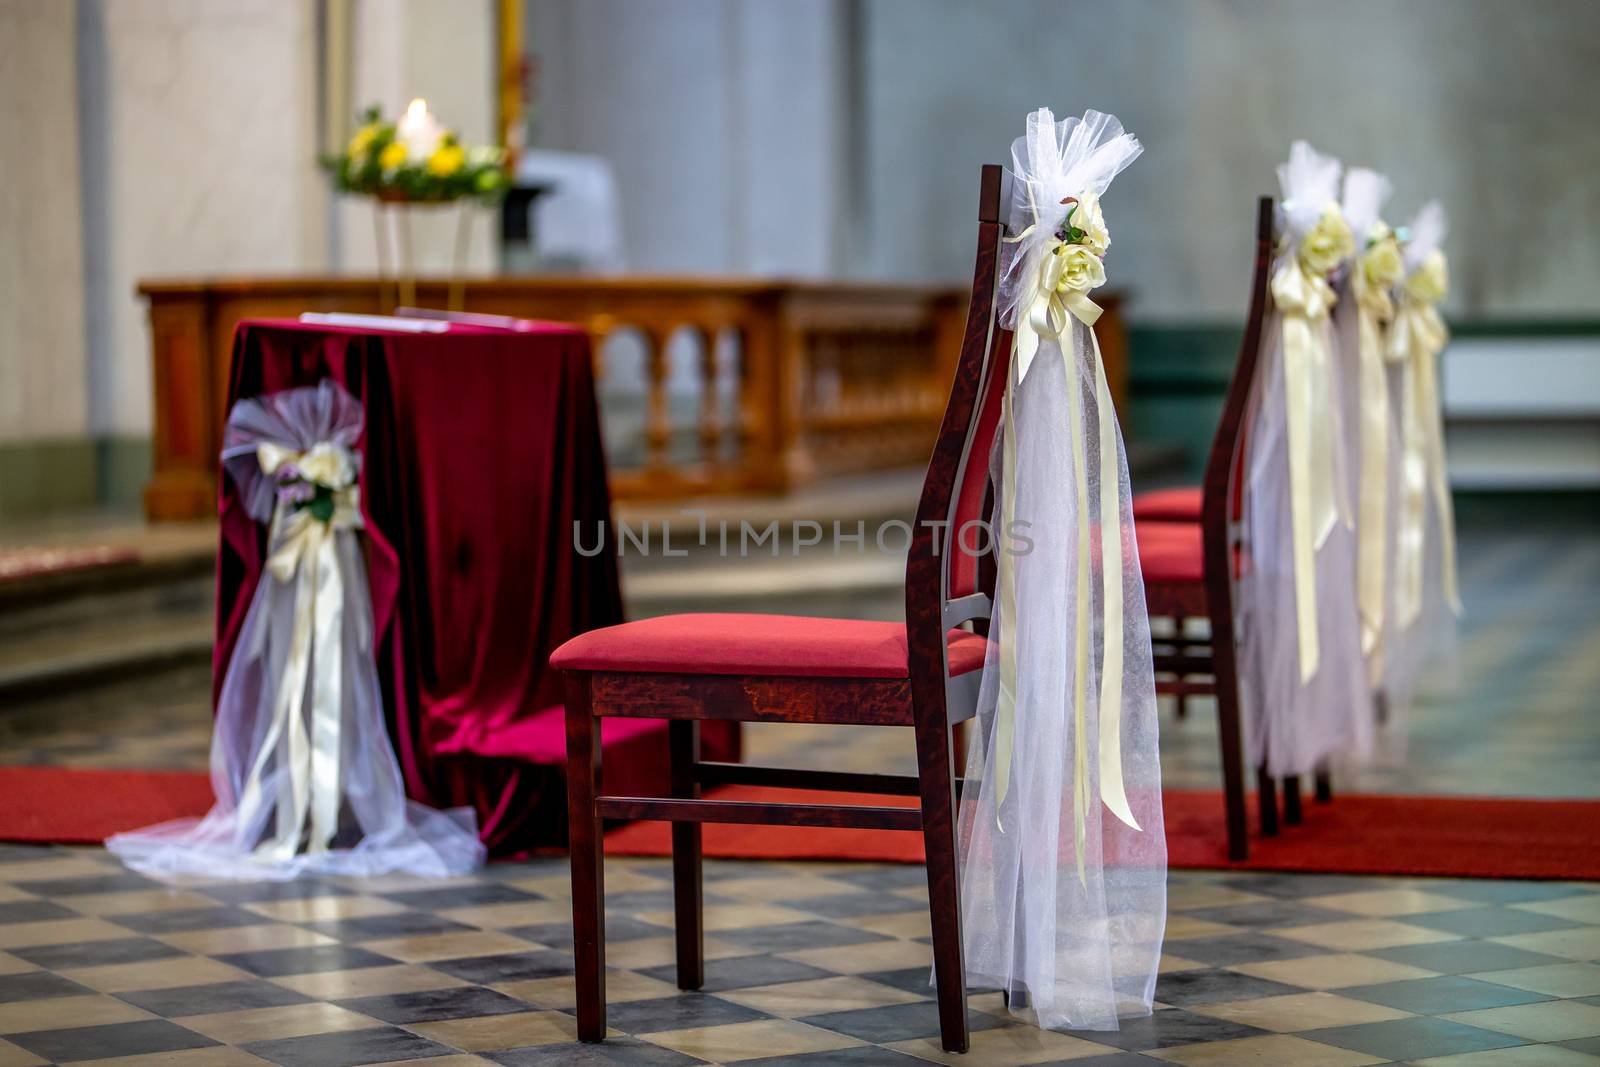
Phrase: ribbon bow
(1047,312)
(1370,280)
(302,555)
(1305,299)
(1415,341)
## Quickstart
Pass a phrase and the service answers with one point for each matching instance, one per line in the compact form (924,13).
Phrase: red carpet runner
(1484,837)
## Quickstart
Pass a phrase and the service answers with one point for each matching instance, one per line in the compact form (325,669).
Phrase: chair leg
(1324,785)
(937,781)
(1267,794)
(683,738)
(1230,737)
(1291,800)
(588,869)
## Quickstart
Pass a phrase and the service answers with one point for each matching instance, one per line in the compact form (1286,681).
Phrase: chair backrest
(943,569)
(1223,487)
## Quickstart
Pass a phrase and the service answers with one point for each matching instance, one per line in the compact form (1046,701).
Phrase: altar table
(480,450)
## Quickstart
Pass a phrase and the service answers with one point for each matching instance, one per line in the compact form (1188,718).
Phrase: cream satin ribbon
(1374,310)
(1048,313)
(1415,341)
(1305,299)
(303,550)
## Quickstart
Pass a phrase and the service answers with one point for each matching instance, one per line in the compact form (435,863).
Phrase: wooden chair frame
(1179,659)
(940,595)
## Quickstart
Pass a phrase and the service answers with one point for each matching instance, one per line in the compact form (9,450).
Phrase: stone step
(74,629)
(128,648)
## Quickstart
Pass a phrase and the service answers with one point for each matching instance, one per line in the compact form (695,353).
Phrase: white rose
(1088,218)
(327,465)
(1080,270)
(1429,282)
(1328,243)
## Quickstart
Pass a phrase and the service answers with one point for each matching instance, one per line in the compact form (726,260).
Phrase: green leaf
(321,505)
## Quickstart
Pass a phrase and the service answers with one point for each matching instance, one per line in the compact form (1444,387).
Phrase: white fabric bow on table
(301,763)
(302,549)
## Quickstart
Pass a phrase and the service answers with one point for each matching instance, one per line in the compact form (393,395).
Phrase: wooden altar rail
(829,377)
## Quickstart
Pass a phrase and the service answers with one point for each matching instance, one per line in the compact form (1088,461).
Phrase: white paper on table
(468,318)
(374,322)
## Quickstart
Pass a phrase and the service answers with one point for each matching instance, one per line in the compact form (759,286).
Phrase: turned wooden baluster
(658,421)
(710,398)
(599,328)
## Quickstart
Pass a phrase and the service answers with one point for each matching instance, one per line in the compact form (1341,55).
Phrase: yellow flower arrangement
(419,163)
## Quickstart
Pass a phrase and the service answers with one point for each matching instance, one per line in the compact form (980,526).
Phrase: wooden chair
(763,668)
(1189,544)
(1189,567)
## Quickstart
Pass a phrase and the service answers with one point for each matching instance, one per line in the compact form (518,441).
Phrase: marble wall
(727,122)
(845,135)
(200,124)
(43,385)
(1485,105)
(178,138)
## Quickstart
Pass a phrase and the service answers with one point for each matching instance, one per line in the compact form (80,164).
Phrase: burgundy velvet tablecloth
(481,449)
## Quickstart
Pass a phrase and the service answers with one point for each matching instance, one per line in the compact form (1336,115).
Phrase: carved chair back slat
(1222,488)
(944,576)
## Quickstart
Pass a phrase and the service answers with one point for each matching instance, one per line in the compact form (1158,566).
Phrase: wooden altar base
(829,378)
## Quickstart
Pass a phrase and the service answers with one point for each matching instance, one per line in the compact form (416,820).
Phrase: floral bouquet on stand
(413,162)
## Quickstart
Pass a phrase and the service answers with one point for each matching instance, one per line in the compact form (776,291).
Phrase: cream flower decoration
(1382,265)
(327,465)
(1089,219)
(1328,244)
(1079,269)
(1430,282)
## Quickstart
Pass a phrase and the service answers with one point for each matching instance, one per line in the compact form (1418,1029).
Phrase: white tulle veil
(1062,840)
(1371,426)
(301,764)
(1302,684)
(1422,641)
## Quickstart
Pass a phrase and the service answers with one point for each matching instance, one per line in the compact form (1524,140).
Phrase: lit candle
(418,130)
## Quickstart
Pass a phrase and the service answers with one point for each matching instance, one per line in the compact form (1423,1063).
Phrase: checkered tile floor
(808,963)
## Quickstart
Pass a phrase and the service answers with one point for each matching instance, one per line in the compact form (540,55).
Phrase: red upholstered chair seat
(1168,505)
(771,645)
(1171,553)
